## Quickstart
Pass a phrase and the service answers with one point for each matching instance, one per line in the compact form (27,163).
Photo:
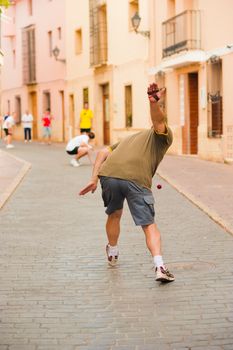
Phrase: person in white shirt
(8,123)
(27,120)
(79,147)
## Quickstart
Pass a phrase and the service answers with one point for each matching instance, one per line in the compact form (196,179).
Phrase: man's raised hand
(154,93)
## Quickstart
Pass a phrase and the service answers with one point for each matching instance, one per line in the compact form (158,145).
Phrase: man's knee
(116,214)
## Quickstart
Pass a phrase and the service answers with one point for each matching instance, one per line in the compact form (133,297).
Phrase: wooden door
(33,110)
(63,115)
(193,112)
(71,117)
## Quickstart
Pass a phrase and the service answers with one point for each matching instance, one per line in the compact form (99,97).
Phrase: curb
(212,214)
(16,181)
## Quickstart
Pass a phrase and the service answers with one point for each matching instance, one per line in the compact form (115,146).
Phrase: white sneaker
(163,275)
(10,146)
(112,256)
(74,162)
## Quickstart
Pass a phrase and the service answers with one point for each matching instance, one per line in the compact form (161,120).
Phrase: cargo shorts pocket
(149,200)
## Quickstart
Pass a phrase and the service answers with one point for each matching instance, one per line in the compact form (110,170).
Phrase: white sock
(113,250)
(158,261)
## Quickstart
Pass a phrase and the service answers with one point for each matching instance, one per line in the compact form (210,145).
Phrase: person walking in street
(86,116)
(125,171)
(47,123)
(79,147)
(8,125)
(27,120)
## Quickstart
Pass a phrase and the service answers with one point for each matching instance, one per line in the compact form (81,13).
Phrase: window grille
(215,102)
(98,33)
(29,55)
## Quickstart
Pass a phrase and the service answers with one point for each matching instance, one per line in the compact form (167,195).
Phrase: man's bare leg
(113,232)
(82,151)
(153,241)
(113,227)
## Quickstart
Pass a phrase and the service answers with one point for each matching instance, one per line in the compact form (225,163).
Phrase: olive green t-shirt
(137,157)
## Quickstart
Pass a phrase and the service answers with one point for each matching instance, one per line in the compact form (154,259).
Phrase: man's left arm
(157,115)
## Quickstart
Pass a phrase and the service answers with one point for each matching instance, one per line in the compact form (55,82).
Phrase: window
(59,33)
(85,96)
(29,55)
(128,106)
(133,8)
(30,9)
(18,109)
(98,34)
(78,41)
(215,108)
(50,42)
(46,100)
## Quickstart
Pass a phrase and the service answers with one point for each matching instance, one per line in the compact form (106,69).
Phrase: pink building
(32,79)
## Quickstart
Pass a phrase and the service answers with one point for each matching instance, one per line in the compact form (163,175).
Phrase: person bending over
(79,147)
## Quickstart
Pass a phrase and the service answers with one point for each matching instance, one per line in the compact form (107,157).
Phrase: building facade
(31,78)
(107,66)
(100,60)
(192,55)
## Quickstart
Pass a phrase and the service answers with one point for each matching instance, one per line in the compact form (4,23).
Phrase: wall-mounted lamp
(56,53)
(136,19)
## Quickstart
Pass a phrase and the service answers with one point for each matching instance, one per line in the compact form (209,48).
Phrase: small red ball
(159,186)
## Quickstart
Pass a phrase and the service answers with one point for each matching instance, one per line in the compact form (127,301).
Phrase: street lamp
(56,52)
(136,19)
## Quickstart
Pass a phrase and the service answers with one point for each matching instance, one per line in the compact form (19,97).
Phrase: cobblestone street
(58,293)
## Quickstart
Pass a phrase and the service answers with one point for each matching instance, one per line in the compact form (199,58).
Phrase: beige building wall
(187,75)
(126,64)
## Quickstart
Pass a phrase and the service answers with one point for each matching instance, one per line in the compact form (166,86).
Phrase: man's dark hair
(91,135)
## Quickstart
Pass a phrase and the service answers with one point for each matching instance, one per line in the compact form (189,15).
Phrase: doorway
(33,110)
(63,114)
(106,114)
(71,116)
(193,112)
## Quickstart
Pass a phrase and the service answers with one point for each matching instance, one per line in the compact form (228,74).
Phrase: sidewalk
(12,171)
(207,184)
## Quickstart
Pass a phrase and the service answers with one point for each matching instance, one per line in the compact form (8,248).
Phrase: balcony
(182,32)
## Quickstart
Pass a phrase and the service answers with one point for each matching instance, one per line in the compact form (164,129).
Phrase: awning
(189,57)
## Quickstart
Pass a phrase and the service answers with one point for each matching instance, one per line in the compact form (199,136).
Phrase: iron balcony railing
(182,32)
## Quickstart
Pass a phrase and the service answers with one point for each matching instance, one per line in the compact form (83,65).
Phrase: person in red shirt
(47,120)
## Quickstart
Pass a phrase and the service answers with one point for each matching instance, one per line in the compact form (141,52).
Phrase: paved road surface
(58,293)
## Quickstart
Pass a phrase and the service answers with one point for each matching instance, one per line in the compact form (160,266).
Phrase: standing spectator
(86,116)
(47,121)
(8,124)
(27,120)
